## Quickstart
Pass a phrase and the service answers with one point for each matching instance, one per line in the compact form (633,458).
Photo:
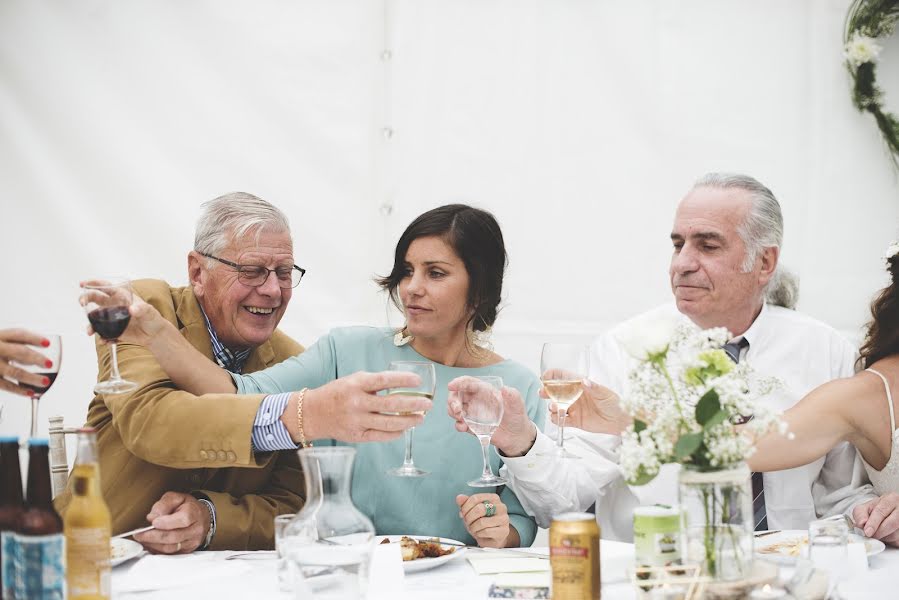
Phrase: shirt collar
(230,360)
(757,330)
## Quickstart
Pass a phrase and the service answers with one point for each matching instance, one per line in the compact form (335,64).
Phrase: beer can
(657,536)
(574,556)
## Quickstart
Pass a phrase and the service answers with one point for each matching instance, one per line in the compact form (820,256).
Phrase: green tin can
(657,536)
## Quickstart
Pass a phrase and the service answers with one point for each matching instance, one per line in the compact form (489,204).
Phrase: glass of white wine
(482,411)
(564,368)
(425,372)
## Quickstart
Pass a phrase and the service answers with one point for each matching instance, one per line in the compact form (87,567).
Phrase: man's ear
(195,272)
(768,258)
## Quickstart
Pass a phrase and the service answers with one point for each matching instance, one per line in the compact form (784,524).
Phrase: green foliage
(687,445)
(875,19)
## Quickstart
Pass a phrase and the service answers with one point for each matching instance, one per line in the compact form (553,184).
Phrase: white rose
(861,49)
(646,336)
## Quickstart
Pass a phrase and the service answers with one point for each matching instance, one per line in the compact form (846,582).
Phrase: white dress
(887,479)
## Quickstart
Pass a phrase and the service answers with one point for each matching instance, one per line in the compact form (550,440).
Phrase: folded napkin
(166,572)
(386,576)
(507,561)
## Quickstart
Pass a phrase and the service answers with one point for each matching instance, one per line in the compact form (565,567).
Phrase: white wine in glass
(428,376)
(564,368)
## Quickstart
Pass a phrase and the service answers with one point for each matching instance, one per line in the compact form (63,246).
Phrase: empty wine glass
(107,303)
(425,389)
(48,370)
(563,367)
(482,411)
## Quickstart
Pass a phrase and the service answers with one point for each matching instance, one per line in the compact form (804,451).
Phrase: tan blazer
(158,438)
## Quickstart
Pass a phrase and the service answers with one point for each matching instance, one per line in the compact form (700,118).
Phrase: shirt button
(203,454)
(269,437)
(267,414)
(221,455)
(210,456)
(232,457)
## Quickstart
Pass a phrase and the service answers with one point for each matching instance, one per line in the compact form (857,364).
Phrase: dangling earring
(402,337)
(479,341)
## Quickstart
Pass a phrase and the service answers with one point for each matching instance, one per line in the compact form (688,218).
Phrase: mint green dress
(406,505)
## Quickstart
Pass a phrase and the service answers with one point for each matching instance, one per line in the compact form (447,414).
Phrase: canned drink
(574,556)
(657,536)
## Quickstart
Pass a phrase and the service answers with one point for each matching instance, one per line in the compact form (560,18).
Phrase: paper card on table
(488,565)
(857,559)
(518,580)
(386,576)
(165,572)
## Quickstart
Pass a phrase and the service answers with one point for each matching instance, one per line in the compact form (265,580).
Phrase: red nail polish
(30,392)
(45,380)
(45,343)
(48,363)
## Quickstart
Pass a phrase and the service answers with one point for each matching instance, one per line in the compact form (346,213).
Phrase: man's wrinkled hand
(879,518)
(181,524)
(598,410)
(516,432)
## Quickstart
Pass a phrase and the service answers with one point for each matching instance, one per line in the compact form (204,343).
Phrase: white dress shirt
(799,350)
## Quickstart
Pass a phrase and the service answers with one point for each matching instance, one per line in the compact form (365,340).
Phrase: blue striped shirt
(269,433)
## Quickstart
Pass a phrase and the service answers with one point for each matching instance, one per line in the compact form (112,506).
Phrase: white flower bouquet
(690,402)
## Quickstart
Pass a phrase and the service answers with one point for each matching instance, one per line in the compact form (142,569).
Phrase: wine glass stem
(115,362)
(34,400)
(485,443)
(563,414)
(407,461)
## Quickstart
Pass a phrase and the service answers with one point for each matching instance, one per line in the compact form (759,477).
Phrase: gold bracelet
(303,442)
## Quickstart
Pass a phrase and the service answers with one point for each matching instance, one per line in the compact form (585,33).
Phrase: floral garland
(866,22)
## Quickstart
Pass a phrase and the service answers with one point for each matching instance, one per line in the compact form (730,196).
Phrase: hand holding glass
(53,352)
(107,303)
(564,367)
(482,411)
(425,389)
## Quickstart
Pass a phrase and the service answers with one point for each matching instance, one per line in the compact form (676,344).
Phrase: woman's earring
(402,337)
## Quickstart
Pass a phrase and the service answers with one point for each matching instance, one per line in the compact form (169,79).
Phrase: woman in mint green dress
(447,279)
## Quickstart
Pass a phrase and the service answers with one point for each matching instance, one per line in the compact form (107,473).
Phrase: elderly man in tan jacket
(202,469)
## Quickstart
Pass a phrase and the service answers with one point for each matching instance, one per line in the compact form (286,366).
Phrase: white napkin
(510,561)
(165,572)
(386,576)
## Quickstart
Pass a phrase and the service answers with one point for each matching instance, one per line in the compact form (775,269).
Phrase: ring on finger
(489,508)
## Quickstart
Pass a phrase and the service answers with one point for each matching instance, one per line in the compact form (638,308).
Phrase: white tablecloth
(208,575)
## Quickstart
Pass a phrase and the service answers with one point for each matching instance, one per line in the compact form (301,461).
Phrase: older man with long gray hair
(724,272)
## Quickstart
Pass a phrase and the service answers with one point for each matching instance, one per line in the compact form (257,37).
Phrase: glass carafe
(330,542)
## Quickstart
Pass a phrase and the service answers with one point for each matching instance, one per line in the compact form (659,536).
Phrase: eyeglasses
(255,275)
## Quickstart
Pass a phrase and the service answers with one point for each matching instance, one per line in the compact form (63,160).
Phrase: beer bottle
(40,568)
(87,526)
(11,507)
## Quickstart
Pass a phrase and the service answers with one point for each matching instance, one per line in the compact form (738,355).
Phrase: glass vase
(329,543)
(717,508)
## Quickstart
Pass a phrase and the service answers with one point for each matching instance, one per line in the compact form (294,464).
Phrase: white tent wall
(578,123)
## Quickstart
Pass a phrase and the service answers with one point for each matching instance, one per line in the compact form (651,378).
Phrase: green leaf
(687,444)
(717,418)
(639,425)
(707,407)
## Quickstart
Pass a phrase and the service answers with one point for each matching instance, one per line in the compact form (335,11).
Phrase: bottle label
(8,563)
(88,561)
(40,572)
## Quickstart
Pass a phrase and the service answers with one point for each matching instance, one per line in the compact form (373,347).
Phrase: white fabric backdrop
(579,123)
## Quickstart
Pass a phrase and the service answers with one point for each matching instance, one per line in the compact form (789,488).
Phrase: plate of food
(124,550)
(786,546)
(421,552)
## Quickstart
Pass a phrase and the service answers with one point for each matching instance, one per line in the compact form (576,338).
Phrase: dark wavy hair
(882,338)
(476,238)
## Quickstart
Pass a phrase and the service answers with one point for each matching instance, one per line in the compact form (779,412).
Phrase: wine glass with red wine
(107,303)
(48,371)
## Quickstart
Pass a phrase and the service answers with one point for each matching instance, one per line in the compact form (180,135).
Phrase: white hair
(762,228)
(232,216)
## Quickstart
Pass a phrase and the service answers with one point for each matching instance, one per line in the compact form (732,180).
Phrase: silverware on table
(764,533)
(134,531)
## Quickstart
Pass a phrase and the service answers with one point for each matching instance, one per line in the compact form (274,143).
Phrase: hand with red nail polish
(17,353)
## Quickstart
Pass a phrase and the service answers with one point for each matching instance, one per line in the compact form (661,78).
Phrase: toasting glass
(563,367)
(482,411)
(425,389)
(53,352)
(107,303)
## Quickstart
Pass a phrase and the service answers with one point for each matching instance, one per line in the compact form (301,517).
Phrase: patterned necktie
(759,515)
